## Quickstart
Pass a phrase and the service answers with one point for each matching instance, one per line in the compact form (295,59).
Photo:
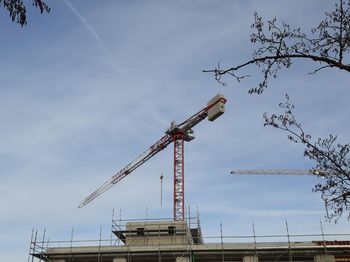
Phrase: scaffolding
(163,239)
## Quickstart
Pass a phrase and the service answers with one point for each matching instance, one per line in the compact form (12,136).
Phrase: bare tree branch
(330,157)
(328,44)
(279,45)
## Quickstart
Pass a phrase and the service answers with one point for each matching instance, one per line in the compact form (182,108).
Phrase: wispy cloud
(88,26)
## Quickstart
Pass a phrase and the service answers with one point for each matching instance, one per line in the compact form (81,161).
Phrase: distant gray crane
(279,172)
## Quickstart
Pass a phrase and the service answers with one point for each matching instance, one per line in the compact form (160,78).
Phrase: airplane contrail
(88,26)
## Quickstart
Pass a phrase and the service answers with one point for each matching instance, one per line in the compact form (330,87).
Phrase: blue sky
(85,90)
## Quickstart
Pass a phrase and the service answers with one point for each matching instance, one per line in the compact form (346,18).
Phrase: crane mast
(177,133)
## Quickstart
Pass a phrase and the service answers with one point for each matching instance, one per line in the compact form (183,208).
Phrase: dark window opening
(140,231)
(171,230)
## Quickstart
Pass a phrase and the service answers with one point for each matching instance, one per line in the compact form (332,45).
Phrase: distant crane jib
(282,172)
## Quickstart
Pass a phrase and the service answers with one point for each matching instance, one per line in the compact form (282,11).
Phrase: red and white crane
(178,134)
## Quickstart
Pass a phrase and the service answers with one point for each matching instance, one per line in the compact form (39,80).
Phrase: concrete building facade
(175,241)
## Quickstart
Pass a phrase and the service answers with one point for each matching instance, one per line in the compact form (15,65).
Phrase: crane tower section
(178,134)
(181,133)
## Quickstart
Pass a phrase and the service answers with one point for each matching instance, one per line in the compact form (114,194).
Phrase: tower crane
(178,134)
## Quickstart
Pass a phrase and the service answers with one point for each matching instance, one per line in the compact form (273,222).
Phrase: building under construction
(182,241)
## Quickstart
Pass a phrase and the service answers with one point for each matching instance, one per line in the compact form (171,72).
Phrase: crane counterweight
(216,108)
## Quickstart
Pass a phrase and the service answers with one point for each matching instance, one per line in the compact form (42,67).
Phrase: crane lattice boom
(293,172)
(154,149)
(177,133)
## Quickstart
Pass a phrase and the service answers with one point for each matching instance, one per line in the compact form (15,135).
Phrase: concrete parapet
(157,233)
(324,258)
(250,259)
(182,259)
(119,259)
